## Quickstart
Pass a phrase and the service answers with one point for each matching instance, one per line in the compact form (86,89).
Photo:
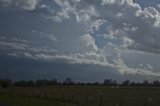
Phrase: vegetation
(69,93)
(82,96)
(25,101)
(69,82)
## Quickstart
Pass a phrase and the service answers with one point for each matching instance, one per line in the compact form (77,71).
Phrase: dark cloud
(92,36)
(60,69)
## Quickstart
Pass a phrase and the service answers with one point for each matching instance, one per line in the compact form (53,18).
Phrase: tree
(145,83)
(156,83)
(114,82)
(108,82)
(5,83)
(126,83)
(68,81)
(54,81)
(43,82)
(24,83)
(30,83)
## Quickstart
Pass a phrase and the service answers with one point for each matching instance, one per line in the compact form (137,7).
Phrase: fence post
(146,102)
(72,99)
(21,94)
(53,95)
(15,93)
(101,101)
(12,91)
(121,103)
(62,97)
(32,93)
(45,95)
(37,94)
(86,99)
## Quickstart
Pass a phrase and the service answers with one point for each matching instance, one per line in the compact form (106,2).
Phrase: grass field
(81,96)
(25,101)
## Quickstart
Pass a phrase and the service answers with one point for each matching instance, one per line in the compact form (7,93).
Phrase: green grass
(82,96)
(26,101)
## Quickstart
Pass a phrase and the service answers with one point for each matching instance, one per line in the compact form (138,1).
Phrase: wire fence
(87,100)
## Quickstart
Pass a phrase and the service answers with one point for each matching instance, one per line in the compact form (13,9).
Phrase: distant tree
(126,83)
(30,83)
(156,83)
(80,84)
(88,84)
(114,83)
(107,81)
(145,83)
(44,82)
(68,81)
(24,83)
(133,84)
(39,83)
(5,83)
(96,84)
(20,83)
(54,81)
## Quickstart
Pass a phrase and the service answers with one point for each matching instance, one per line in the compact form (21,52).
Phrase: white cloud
(141,26)
(49,37)
(122,24)
(158,5)
(17,47)
(26,4)
(87,43)
(7,1)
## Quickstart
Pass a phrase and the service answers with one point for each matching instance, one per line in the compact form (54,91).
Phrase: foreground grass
(26,101)
(81,96)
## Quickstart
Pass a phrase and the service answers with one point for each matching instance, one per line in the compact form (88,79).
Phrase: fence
(86,100)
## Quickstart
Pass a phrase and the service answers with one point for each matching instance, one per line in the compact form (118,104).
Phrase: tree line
(69,82)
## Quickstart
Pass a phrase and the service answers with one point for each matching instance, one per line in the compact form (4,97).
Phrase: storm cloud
(119,36)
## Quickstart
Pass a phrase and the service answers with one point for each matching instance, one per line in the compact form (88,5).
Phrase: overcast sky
(87,40)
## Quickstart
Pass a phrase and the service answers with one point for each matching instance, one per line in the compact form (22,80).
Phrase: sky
(86,40)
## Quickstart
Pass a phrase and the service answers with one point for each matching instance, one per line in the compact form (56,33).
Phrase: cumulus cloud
(95,32)
(141,26)
(136,24)
(91,57)
(26,4)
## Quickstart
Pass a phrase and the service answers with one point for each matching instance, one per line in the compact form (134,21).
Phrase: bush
(5,83)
